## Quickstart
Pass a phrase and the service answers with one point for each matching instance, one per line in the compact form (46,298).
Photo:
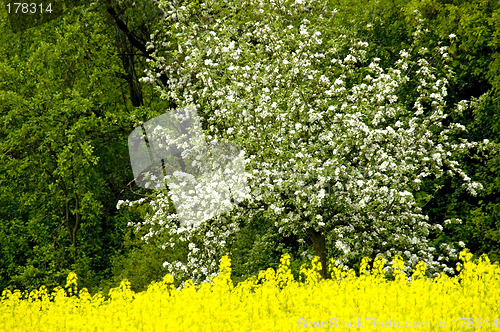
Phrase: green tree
(63,154)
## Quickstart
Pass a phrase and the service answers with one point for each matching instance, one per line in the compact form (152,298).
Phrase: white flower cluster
(331,143)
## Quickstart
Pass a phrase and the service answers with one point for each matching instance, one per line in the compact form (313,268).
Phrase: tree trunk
(126,50)
(319,243)
(127,57)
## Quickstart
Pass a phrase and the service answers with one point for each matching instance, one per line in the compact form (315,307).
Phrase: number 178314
(471,323)
(28,8)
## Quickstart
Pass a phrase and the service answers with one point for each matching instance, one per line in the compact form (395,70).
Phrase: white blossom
(309,143)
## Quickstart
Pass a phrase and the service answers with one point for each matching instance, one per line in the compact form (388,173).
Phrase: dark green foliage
(142,262)
(258,246)
(474,27)
(63,153)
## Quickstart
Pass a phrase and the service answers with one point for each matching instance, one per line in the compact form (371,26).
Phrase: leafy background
(70,94)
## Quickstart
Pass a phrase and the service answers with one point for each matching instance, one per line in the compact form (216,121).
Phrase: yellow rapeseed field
(273,301)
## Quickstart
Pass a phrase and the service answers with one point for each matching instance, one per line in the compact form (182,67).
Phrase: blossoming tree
(336,145)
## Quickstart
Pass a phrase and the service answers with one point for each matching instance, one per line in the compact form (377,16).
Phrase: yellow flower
(271,301)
